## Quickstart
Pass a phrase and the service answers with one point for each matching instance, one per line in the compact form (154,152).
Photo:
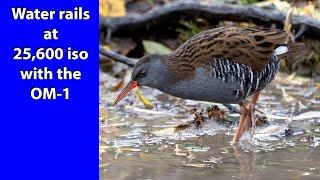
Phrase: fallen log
(161,15)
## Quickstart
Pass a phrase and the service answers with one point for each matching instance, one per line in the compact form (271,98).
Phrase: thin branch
(232,108)
(117,57)
(301,31)
(236,110)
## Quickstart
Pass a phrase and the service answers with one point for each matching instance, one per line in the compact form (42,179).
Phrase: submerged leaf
(200,165)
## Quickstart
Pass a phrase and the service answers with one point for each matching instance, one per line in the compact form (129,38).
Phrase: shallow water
(137,143)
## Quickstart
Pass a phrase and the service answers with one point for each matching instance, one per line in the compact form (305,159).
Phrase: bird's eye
(142,74)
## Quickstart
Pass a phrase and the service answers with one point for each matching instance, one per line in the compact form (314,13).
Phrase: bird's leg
(252,108)
(250,116)
(242,123)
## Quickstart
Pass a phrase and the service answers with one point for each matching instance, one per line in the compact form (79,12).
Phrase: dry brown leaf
(122,45)
(261,120)
(198,118)
(112,8)
(216,112)
(117,86)
(181,126)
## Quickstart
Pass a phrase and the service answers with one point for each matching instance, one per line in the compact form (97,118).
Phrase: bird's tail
(291,50)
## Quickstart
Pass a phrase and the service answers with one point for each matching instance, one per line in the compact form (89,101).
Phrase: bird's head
(148,71)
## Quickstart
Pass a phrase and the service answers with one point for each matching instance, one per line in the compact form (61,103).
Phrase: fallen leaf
(309,9)
(216,112)
(198,118)
(122,45)
(286,98)
(181,126)
(103,114)
(144,100)
(197,165)
(117,86)
(152,47)
(291,77)
(112,8)
(130,149)
(261,120)
(103,165)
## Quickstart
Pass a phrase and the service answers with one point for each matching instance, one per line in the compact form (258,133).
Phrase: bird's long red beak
(131,85)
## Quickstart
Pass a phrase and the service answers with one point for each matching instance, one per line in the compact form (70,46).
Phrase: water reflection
(247,161)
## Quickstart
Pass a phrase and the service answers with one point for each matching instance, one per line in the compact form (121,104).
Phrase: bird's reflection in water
(247,162)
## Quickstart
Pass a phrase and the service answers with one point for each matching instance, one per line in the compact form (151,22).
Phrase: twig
(134,23)
(301,31)
(288,25)
(232,108)
(236,110)
(117,57)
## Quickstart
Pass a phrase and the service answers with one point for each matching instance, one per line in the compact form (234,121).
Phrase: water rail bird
(221,65)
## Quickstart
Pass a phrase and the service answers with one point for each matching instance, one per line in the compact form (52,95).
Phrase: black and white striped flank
(250,81)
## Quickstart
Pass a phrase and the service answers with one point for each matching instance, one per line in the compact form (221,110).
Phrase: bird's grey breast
(204,87)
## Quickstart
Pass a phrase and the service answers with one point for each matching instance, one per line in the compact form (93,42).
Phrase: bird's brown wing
(249,46)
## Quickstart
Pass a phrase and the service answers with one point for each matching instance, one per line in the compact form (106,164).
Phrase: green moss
(189,29)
